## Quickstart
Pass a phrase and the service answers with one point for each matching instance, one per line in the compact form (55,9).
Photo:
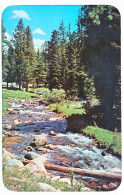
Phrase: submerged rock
(51,146)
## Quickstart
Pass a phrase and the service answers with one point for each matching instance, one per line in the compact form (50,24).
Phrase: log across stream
(71,151)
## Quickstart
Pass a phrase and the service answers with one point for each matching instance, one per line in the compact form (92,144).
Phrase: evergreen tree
(102,57)
(20,48)
(40,69)
(5,63)
(30,58)
(72,49)
(11,67)
(54,67)
(63,61)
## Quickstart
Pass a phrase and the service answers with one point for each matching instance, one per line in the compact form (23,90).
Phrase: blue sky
(41,19)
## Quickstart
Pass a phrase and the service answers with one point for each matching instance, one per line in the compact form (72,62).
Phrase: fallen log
(84,172)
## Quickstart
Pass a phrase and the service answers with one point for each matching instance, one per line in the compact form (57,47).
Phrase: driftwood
(90,173)
(83,172)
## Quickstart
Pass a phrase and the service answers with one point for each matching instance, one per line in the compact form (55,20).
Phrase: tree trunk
(90,173)
(26,87)
(7,84)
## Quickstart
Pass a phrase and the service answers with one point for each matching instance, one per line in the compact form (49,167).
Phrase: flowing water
(72,149)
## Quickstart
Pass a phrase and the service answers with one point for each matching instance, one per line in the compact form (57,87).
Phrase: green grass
(38,89)
(9,94)
(67,109)
(29,182)
(4,107)
(14,94)
(108,139)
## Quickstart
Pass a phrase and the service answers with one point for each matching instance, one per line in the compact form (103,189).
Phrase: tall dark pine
(54,68)
(63,61)
(20,48)
(72,82)
(102,56)
(40,69)
(11,67)
(30,57)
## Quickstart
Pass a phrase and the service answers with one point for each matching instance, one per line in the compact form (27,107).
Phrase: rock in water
(39,140)
(33,155)
(16,122)
(28,148)
(53,133)
(46,187)
(9,127)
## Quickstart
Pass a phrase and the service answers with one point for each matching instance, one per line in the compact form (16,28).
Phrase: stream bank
(28,119)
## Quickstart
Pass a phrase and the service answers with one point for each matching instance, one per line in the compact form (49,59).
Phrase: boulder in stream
(39,140)
(53,133)
(16,122)
(33,155)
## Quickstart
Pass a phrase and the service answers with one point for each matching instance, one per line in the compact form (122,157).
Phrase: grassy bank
(9,94)
(104,138)
(17,179)
(14,94)
(67,109)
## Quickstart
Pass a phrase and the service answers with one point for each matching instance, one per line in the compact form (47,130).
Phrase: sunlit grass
(4,107)
(67,109)
(29,182)
(42,89)
(107,138)
(9,94)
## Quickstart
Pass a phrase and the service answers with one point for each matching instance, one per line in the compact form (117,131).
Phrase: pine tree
(11,67)
(20,48)
(40,69)
(63,61)
(102,57)
(30,57)
(72,64)
(54,67)
(5,63)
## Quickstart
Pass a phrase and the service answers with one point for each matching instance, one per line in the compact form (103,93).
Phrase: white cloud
(39,31)
(20,14)
(38,43)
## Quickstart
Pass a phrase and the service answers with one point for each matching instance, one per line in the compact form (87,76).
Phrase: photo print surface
(61,98)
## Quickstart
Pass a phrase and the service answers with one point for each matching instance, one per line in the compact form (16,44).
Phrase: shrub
(58,95)
(54,96)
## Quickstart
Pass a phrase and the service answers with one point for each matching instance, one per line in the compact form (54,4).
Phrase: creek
(72,149)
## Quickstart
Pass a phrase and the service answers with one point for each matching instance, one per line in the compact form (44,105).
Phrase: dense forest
(85,63)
